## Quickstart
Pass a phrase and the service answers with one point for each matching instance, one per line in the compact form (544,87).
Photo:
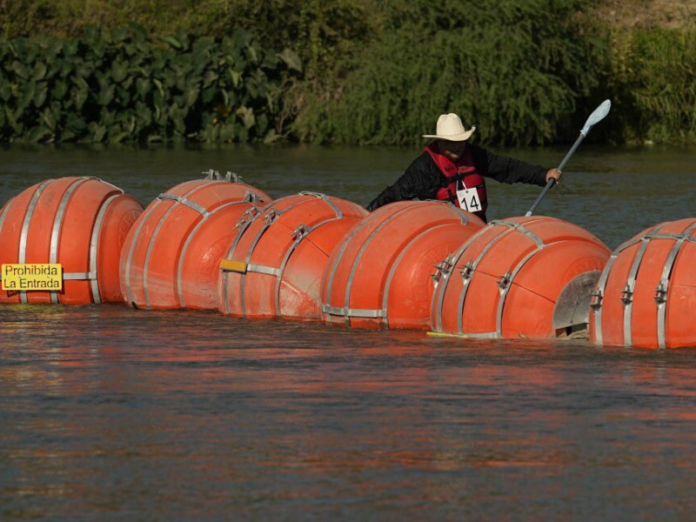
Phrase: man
(453,170)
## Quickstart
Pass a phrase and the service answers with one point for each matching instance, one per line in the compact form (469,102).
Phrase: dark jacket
(423,178)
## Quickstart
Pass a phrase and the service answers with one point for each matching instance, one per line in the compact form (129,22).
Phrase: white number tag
(469,200)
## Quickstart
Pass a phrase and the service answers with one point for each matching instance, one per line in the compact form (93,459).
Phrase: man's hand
(554,174)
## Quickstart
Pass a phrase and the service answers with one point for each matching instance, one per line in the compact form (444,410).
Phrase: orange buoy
(79,223)
(380,275)
(171,256)
(276,261)
(647,292)
(519,277)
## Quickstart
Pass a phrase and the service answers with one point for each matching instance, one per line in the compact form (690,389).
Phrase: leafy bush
(518,69)
(523,71)
(318,30)
(113,86)
(658,83)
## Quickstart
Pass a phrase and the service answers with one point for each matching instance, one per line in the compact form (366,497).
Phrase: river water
(109,413)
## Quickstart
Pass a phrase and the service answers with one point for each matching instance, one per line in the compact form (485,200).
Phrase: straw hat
(450,127)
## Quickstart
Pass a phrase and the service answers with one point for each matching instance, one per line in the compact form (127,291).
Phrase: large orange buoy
(276,261)
(519,277)
(380,275)
(647,292)
(79,223)
(171,256)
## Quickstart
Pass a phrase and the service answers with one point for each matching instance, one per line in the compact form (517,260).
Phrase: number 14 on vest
(468,199)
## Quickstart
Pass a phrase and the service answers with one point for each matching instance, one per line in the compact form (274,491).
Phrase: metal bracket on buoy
(661,293)
(462,214)
(231,177)
(271,216)
(247,217)
(627,294)
(443,268)
(326,199)
(250,197)
(359,313)
(300,232)
(596,300)
(505,280)
(468,271)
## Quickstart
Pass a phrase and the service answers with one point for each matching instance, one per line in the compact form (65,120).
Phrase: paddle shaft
(550,183)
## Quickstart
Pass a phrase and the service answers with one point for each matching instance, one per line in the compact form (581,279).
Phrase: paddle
(598,115)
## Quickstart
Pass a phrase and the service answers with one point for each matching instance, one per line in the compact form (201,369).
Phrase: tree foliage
(113,86)
(522,71)
(518,70)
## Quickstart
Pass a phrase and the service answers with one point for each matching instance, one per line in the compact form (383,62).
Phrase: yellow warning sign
(32,277)
(227,265)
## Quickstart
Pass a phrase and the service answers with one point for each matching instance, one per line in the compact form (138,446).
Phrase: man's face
(451,149)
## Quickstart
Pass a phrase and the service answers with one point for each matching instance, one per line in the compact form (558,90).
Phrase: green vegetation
(518,72)
(653,76)
(113,86)
(523,71)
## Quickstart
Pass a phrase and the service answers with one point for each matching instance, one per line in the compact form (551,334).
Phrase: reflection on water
(111,413)
(174,414)
(613,192)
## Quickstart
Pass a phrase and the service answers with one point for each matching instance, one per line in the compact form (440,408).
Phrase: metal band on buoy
(177,200)
(399,293)
(160,271)
(507,280)
(182,200)
(467,274)
(496,310)
(354,312)
(300,234)
(469,270)
(271,215)
(392,271)
(627,292)
(283,227)
(94,246)
(68,211)
(22,259)
(441,283)
(661,290)
(58,224)
(129,260)
(189,239)
(341,249)
(356,261)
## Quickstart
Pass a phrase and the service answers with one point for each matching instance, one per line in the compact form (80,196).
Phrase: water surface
(108,413)
(613,192)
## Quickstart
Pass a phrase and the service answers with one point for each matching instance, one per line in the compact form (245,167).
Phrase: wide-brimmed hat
(450,127)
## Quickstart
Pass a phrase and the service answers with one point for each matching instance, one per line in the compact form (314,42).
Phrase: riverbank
(346,72)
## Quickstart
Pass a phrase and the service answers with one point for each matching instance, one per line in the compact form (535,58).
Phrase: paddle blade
(598,115)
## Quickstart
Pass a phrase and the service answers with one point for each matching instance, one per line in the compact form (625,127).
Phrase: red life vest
(464,172)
